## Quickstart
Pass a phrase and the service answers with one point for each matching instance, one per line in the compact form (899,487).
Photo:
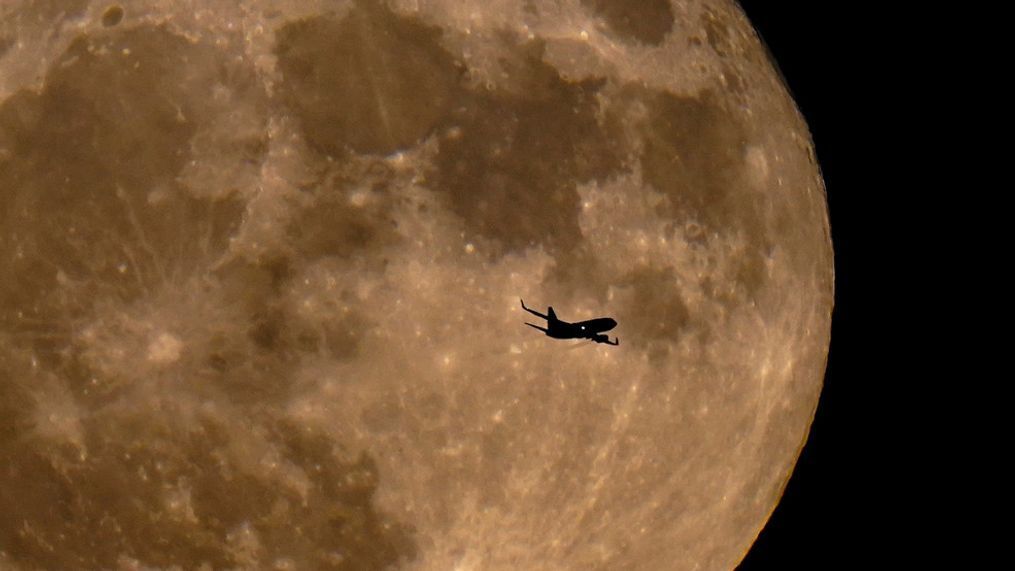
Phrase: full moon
(260,271)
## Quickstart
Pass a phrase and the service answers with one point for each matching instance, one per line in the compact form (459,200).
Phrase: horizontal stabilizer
(543,329)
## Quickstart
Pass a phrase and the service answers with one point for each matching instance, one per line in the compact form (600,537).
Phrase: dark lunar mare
(511,154)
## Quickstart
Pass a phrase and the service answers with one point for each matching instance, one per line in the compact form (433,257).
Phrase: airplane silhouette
(591,329)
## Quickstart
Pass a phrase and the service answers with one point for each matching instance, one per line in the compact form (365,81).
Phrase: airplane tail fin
(550,312)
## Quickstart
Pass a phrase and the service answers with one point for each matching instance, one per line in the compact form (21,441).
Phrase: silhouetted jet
(591,329)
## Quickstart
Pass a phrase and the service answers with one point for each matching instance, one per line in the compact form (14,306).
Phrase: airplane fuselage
(558,329)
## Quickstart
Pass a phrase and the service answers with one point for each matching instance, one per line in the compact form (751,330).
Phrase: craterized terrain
(260,264)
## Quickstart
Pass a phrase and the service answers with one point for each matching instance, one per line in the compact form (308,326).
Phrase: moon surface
(260,264)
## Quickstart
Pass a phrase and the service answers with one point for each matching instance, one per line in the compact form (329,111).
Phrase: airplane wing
(605,339)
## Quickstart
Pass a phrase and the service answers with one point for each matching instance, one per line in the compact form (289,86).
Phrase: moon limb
(327,309)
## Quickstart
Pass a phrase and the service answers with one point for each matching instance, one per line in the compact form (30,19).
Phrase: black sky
(833,514)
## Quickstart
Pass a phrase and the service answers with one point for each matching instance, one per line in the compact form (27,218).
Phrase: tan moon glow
(261,264)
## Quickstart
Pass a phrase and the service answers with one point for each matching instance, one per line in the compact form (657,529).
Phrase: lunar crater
(112,16)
